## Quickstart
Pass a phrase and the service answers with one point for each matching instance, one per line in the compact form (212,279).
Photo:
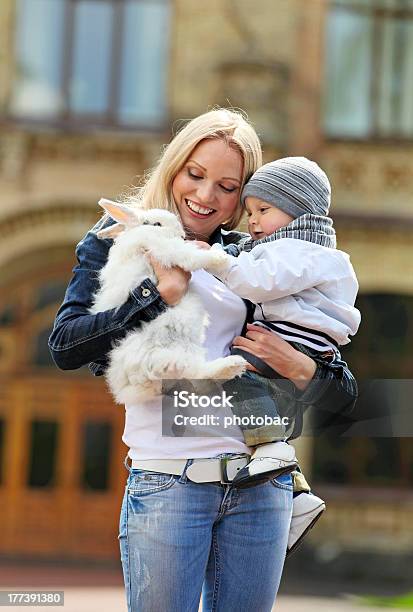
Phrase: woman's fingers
(278,354)
(265,338)
(249,345)
(162,272)
(172,282)
(261,331)
(158,267)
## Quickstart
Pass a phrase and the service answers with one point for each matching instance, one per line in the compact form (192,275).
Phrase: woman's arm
(331,387)
(79,337)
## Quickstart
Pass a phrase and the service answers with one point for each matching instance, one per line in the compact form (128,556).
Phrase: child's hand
(201,244)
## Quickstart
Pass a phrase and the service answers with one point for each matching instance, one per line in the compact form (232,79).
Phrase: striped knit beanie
(295,185)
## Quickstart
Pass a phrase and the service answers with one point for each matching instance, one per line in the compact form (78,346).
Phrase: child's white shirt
(297,282)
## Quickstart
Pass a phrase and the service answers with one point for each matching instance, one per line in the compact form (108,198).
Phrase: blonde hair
(225,124)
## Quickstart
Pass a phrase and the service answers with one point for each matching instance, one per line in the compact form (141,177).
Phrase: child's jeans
(258,402)
(261,403)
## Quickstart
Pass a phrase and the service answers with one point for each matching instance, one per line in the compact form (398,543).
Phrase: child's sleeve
(275,270)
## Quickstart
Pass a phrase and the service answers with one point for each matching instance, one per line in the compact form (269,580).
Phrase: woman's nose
(206,192)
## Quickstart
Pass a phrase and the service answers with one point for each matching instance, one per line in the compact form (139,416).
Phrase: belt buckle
(224,475)
(224,462)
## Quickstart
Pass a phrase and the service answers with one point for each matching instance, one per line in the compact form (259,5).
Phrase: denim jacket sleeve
(78,337)
(331,396)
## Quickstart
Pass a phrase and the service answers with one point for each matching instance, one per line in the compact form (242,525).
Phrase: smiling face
(207,188)
(264,219)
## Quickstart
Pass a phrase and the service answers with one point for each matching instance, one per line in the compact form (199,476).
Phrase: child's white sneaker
(267,461)
(307,509)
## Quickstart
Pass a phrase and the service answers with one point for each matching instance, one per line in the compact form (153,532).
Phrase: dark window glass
(380,356)
(96,455)
(8,316)
(51,292)
(41,353)
(362,461)
(382,346)
(2,428)
(43,452)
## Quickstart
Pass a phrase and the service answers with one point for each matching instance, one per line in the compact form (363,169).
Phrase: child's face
(263,218)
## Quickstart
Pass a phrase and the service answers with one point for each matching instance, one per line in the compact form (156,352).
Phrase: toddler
(305,291)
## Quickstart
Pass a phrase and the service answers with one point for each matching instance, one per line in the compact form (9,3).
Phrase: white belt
(201,470)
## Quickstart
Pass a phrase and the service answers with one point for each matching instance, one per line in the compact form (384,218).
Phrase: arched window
(28,305)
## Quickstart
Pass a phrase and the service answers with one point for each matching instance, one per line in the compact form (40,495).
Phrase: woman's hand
(172,282)
(278,354)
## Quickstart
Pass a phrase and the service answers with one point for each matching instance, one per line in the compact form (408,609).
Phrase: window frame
(70,121)
(378,15)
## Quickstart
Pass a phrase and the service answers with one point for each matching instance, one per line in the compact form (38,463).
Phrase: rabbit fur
(169,346)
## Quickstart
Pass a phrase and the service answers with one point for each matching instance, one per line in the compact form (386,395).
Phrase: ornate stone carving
(261,87)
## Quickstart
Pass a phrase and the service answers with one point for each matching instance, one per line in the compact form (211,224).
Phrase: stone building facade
(274,59)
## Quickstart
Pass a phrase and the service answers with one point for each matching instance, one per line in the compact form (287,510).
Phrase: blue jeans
(179,538)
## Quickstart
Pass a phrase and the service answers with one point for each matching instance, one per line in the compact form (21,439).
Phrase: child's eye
(263,209)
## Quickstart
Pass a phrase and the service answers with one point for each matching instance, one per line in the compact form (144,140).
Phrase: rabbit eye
(157,223)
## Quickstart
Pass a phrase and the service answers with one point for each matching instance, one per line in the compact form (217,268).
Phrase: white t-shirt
(143,425)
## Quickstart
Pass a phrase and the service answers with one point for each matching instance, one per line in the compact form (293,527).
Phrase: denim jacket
(79,338)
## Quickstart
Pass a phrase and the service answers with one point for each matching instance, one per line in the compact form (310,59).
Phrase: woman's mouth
(197,210)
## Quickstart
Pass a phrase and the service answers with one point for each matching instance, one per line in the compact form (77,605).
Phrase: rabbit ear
(112,231)
(125,215)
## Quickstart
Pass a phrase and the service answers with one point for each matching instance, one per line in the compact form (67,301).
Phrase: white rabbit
(170,346)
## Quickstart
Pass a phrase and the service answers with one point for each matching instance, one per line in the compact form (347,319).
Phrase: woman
(183,527)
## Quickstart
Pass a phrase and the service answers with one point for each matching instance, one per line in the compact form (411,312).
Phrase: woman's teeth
(199,209)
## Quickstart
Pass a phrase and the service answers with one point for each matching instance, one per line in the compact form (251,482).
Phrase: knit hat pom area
(295,185)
